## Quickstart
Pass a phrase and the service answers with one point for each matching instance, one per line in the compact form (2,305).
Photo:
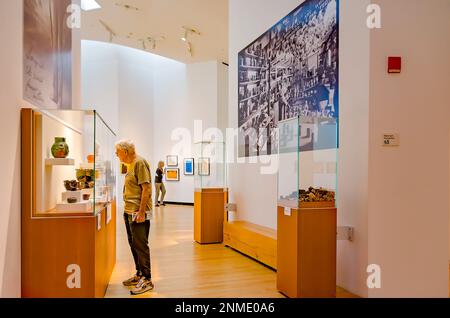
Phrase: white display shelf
(59,162)
(84,206)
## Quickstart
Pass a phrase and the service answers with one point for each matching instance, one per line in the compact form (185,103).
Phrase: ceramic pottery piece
(86,197)
(60,149)
(71,185)
(91,158)
(316,195)
(85,178)
(72,200)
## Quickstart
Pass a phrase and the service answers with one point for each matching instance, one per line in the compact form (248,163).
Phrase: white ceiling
(163,19)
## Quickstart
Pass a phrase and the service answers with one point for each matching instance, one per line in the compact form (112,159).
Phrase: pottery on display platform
(60,148)
(72,200)
(91,158)
(71,185)
(85,177)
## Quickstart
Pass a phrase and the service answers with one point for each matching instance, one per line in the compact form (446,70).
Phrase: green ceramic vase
(60,149)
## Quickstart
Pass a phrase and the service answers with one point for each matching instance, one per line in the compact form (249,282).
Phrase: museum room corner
(225,150)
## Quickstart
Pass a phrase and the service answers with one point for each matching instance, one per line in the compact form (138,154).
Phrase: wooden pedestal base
(68,257)
(209,213)
(307,252)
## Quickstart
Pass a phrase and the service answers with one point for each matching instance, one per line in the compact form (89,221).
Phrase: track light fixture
(127,6)
(188,31)
(189,48)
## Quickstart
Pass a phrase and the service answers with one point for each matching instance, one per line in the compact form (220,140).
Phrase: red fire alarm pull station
(394,64)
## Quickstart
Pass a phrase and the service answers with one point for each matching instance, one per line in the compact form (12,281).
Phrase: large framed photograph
(189,169)
(47,54)
(172,161)
(204,167)
(172,174)
(290,71)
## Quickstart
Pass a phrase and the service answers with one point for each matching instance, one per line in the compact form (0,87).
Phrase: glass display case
(210,160)
(74,163)
(211,193)
(308,150)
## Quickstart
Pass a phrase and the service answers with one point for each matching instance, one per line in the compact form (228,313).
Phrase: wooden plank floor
(184,269)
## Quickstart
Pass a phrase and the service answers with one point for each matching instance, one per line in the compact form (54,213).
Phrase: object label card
(391,140)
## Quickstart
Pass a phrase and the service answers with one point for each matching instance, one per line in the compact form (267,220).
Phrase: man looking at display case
(137,196)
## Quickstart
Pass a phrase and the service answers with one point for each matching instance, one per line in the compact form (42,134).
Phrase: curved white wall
(146,98)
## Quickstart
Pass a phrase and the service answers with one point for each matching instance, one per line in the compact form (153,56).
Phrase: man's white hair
(126,145)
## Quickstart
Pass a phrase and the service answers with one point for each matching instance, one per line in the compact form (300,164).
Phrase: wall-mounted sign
(287,211)
(391,140)
(99,221)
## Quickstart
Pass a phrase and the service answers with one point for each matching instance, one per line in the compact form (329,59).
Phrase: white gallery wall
(379,192)
(153,101)
(409,185)
(354,55)
(11,27)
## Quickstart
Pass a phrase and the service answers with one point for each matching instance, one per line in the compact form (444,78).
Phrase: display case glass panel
(308,150)
(74,163)
(210,161)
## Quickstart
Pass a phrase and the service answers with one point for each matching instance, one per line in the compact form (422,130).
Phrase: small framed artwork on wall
(172,161)
(172,174)
(189,167)
(204,167)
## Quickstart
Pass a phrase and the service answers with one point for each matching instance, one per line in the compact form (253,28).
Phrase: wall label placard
(99,221)
(287,211)
(391,140)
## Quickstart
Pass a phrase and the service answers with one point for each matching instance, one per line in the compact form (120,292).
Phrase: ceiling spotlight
(88,5)
(153,41)
(189,48)
(187,32)
(143,44)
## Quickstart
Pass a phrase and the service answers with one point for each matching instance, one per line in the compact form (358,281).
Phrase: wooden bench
(253,240)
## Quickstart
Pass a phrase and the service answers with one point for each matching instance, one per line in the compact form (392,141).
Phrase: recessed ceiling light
(88,5)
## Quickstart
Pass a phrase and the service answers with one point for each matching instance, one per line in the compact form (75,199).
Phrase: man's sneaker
(156,205)
(163,204)
(133,281)
(144,285)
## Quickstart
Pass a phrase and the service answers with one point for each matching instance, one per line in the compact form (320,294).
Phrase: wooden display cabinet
(64,254)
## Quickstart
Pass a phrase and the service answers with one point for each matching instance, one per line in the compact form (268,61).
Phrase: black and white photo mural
(290,71)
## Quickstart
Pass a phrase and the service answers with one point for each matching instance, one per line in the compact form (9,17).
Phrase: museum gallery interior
(305,147)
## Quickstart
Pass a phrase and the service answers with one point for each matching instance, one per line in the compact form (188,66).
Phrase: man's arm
(146,192)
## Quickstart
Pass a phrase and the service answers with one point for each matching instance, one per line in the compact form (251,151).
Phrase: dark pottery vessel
(72,200)
(71,185)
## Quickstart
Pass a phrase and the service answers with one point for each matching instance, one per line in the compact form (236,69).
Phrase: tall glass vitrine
(307,213)
(211,193)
